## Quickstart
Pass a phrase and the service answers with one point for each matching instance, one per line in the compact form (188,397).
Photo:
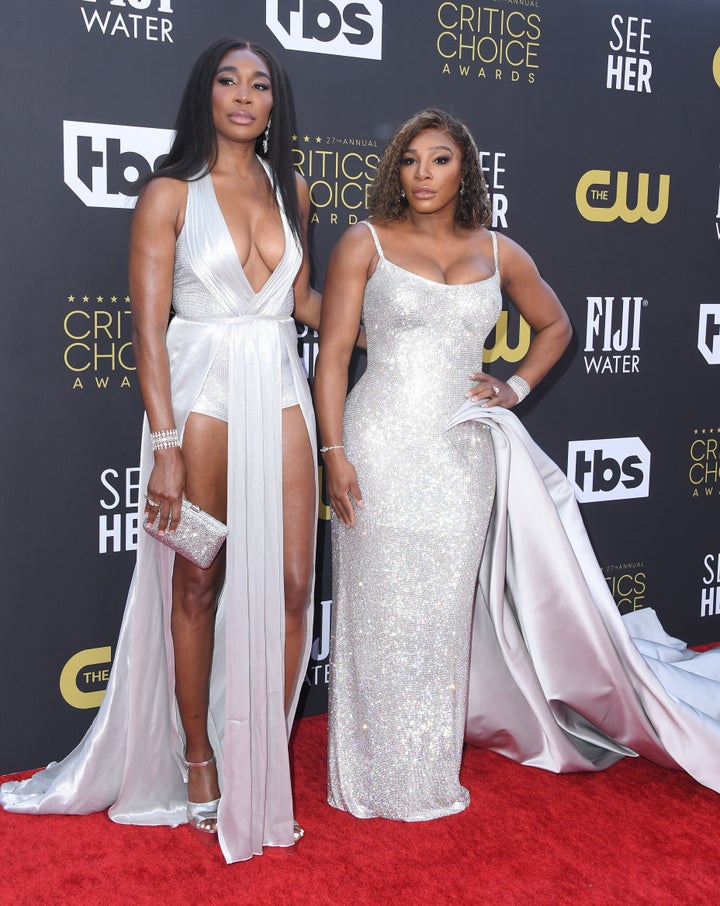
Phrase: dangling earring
(462,187)
(266,137)
(402,193)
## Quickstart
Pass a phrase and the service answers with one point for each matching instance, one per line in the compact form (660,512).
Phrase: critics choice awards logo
(604,196)
(703,470)
(629,67)
(339,172)
(490,43)
(612,334)
(628,585)
(616,468)
(97,336)
(346,28)
(144,20)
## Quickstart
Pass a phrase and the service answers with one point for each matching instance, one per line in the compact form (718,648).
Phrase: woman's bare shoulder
(161,201)
(358,234)
(164,191)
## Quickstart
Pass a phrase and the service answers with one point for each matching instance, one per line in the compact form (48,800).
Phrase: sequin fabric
(404,576)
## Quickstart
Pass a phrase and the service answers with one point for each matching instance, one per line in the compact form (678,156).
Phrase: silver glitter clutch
(198,537)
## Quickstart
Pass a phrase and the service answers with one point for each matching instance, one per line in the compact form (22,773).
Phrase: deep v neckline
(231,242)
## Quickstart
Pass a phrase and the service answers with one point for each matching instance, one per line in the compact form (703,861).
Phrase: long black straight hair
(194,150)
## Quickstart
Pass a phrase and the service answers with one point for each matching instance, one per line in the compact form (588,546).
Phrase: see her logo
(345,28)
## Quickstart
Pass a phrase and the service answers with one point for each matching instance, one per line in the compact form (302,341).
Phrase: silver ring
(151,502)
(496,390)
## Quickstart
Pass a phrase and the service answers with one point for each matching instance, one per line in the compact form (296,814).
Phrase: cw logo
(501,349)
(592,197)
(90,666)
(323,508)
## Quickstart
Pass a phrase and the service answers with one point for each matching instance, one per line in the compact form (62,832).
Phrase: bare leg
(195,594)
(299,526)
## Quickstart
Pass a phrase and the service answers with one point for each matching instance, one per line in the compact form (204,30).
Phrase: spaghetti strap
(374,236)
(493,236)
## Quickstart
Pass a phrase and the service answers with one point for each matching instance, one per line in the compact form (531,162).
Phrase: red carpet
(635,834)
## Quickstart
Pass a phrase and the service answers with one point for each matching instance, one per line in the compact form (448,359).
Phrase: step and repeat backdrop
(599,128)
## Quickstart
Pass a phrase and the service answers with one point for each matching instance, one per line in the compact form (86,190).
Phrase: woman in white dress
(467,602)
(208,666)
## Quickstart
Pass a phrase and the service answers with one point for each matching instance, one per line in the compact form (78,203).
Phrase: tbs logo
(101,162)
(617,468)
(709,332)
(345,28)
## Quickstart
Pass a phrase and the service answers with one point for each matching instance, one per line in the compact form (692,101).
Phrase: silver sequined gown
(404,576)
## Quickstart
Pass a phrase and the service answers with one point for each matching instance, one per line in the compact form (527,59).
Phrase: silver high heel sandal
(202,816)
(298,832)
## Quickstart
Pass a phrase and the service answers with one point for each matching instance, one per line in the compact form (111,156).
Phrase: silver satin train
(541,669)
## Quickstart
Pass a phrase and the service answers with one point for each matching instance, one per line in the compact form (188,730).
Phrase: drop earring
(402,193)
(265,138)
(462,187)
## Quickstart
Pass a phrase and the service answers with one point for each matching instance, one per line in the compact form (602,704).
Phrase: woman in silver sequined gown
(428,277)
(467,601)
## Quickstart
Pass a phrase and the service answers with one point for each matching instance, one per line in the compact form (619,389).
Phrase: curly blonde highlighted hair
(385,201)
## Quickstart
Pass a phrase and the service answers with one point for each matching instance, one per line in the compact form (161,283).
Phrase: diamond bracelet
(164,439)
(520,387)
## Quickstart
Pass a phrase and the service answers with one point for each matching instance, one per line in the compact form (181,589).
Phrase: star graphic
(317,139)
(127,299)
(86,298)
(113,298)
(71,298)
(100,299)
(306,138)
(294,137)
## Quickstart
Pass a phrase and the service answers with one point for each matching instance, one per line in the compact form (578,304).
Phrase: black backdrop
(600,134)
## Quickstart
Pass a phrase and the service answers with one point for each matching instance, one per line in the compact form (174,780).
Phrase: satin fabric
(558,679)
(131,757)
